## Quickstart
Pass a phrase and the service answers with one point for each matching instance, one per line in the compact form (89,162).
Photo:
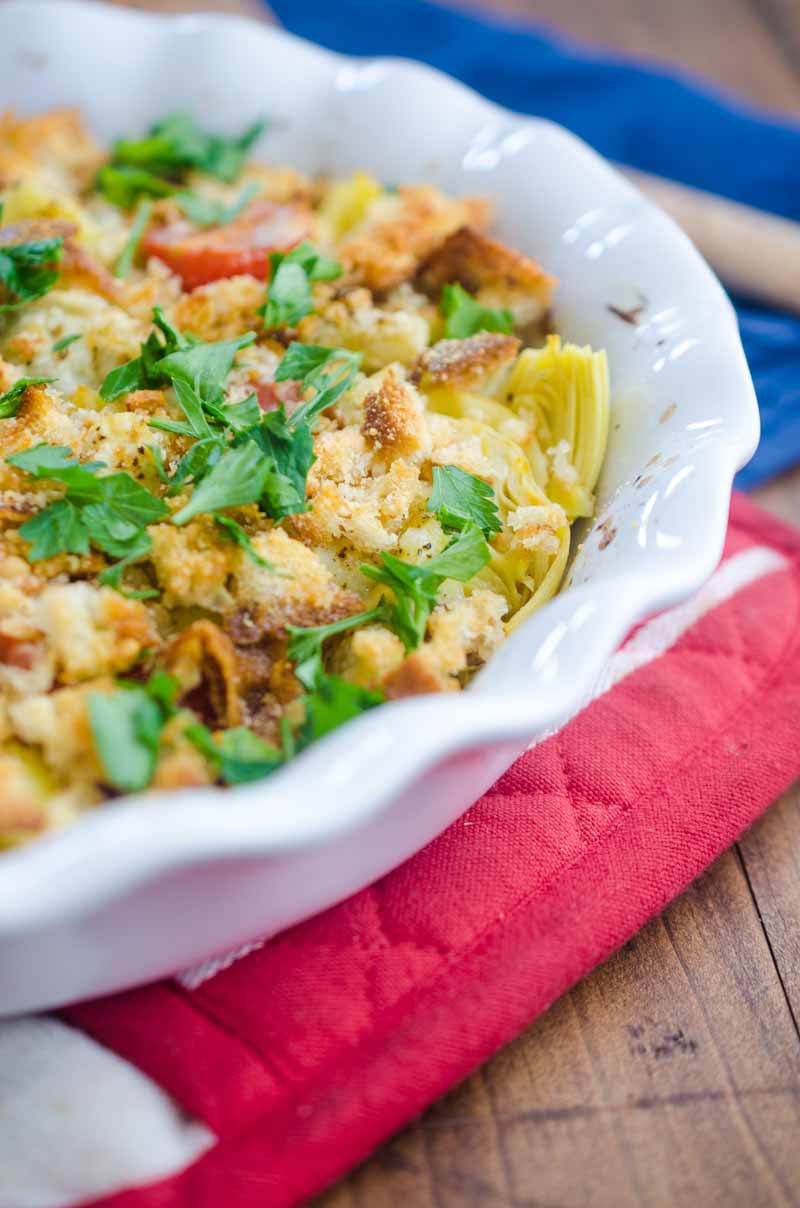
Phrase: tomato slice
(243,246)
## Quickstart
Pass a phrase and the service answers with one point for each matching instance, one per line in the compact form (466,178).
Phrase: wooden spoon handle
(754,253)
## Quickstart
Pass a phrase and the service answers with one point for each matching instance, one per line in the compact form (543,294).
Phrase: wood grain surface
(670,1077)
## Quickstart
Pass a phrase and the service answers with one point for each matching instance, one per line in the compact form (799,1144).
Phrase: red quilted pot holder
(303,1055)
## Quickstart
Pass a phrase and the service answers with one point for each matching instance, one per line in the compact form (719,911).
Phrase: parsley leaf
(466,554)
(458,498)
(142,372)
(305,645)
(415,588)
(237,478)
(204,367)
(465,317)
(109,510)
(56,529)
(11,401)
(126,729)
(240,416)
(206,213)
(175,144)
(197,461)
(289,290)
(239,755)
(157,458)
(128,549)
(167,356)
(28,270)
(125,262)
(333,702)
(65,342)
(123,380)
(123,185)
(329,372)
(234,531)
(291,454)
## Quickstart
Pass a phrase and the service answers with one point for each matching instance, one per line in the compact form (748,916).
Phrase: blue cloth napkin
(660,122)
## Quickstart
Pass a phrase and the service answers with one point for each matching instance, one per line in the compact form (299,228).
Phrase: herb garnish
(332,702)
(238,754)
(126,729)
(27,270)
(11,401)
(167,355)
(206,213)
(126,258)
(110,511)
(459,498)
(123,185)
(329,372)
(415,587)
(65,342)
(238,477)
(465,317)
(304,648)
(234,532)
(289,290)
(462,503)
(153,165)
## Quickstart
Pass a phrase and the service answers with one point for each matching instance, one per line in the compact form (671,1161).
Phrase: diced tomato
(243,246)
(270,395)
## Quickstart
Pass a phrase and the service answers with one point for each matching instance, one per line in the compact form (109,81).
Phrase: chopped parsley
(290,448)
(124,185)
(289,290)
(415,588)
(109,511)
(206,213)
(332,702)
(173,146)
(65,342)
(168,356)
(305,645)
(234,532)
(11,401)
(329,372)
(125,262)
(465,317)
(204,367)
(127,725)
(459,498)
(239,477)
(28,270)
(238,754)
(414,595)
(126,729)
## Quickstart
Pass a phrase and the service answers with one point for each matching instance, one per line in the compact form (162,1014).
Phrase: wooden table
(671,1077)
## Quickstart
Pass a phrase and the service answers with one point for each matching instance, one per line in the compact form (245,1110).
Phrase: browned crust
(472,259)
(59,135)
(414,677)
(390,250)
(147,402)
(465,362)
(76,266)
(304,614)
(392,417)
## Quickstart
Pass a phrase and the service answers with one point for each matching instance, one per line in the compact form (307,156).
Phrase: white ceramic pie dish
(152,885)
